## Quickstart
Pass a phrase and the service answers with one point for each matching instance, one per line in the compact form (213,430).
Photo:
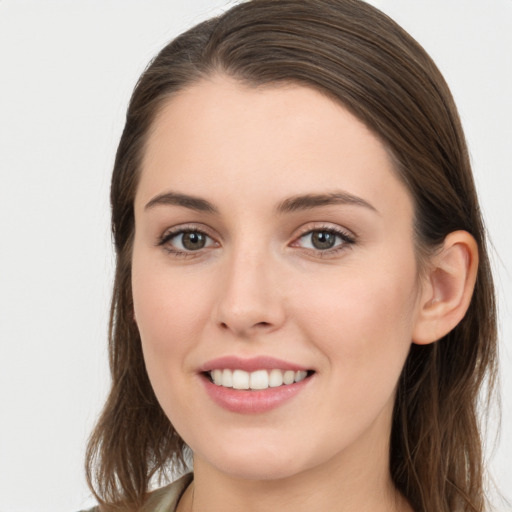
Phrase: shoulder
(164,499)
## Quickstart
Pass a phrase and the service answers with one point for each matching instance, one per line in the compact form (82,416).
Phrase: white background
(66,72)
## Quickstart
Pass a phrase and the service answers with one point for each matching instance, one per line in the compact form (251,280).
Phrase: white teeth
(300,376)
(276,378)
(240,379)
(217,377)
(289,377)
(260,379)
(227,379)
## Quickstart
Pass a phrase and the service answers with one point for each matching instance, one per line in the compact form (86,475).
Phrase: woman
(303,296)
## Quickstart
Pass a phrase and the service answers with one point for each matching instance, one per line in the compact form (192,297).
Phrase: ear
(447,289)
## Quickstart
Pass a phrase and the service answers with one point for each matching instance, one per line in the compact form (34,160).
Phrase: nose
(251,301)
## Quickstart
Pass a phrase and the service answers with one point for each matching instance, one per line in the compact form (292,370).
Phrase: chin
(259,461)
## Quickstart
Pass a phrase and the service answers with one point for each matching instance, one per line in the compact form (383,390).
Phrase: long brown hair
(361,58)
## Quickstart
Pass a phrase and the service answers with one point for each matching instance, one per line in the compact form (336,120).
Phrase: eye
(324,240)
(184,241)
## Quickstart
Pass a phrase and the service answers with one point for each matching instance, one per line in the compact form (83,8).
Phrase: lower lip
(253,402)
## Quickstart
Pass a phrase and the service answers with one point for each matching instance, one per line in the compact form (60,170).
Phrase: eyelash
(165,239)
(346,238)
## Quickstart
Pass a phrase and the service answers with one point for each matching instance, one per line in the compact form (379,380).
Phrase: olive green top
(165,499)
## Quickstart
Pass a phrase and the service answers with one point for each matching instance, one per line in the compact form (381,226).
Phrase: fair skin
(328,284)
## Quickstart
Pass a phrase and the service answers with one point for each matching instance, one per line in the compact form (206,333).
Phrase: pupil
(323,240)
(193,241)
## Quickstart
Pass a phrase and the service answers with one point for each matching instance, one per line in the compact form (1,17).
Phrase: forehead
(219,136)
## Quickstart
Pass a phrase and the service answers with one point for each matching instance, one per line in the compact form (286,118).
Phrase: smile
(256,380)
(255,385)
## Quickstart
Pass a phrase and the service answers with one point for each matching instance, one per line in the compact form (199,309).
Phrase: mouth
(255,385)
(256,380)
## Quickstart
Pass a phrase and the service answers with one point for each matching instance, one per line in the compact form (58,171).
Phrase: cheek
(170,310)
(363,321)
(167,304)
(363,327)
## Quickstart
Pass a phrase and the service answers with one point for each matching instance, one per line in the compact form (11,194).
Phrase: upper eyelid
(345,240)
(325,226)
(183,228)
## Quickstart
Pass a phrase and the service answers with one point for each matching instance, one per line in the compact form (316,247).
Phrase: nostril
(244,326)
(224,325)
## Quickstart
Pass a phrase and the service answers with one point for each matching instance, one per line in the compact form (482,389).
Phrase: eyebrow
(290,205)
(177,199)
(309,201)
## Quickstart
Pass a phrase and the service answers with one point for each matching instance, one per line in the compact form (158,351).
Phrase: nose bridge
(249,298)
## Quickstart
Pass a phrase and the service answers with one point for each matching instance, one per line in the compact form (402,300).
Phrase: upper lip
(250,364)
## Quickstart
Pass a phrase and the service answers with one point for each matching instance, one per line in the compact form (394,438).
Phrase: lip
(250,364)
(251,401)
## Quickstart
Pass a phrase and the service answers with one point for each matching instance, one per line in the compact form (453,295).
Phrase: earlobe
(448,289)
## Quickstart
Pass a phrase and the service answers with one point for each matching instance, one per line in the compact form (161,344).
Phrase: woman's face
(273,239)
